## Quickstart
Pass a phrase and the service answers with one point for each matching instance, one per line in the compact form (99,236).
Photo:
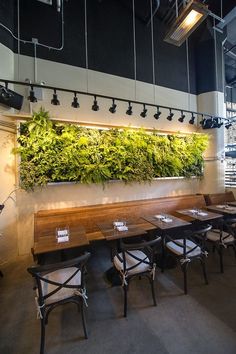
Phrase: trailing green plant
(56,152)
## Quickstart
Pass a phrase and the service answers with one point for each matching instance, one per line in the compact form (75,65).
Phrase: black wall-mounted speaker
(10,98)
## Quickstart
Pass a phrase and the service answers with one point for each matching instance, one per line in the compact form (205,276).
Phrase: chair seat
(131,262)
(214,235)
(179,250)
(60,276)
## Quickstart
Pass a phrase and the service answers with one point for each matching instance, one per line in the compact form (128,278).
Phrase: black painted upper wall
(110,42)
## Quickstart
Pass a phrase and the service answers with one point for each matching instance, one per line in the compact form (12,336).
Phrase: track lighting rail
(129,102)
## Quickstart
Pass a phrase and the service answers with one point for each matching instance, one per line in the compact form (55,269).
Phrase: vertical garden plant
(56,152)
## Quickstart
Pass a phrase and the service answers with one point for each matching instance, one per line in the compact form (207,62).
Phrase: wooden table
(111,233)
(47,241)
(223,209)
(231,203)
(160,224)
(196,214)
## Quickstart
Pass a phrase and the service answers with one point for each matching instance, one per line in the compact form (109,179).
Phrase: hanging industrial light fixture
(112,109)
(181,118)
(143,114)
(192,119)
(31,96)
(228,125)
(129,111)
(95,106)
(75,103)
(54,99)
(158,113)
(188,20)
(170,116)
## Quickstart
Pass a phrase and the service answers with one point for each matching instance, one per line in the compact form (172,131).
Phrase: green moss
(54,152)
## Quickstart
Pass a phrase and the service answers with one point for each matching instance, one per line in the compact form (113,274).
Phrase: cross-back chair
(188,247)
(136,259)
(57,284)
(222,237)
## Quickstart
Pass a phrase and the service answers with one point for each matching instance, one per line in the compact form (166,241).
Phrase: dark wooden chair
(222,237)
(136,260)
(57,284)
(188,247)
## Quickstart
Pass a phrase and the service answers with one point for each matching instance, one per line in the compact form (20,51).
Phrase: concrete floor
(203,322)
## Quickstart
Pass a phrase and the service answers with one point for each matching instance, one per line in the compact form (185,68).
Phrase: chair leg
(234,248)
(220,251)
(83,319)
(204,269)
(1,274)
(184,269)
(153,292)
(42,340)
(125,300)
(163,258)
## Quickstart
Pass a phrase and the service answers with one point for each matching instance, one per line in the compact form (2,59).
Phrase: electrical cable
(41,44)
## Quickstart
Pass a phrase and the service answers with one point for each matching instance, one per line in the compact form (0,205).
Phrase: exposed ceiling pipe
(157,5)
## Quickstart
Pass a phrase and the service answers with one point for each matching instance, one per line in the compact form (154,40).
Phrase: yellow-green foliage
(54,152)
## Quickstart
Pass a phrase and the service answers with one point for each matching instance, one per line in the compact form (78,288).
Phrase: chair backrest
(147,248)
(187,242)
(67,280)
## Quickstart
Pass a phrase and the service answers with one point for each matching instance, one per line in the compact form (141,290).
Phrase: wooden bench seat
(219,198)
(90,216)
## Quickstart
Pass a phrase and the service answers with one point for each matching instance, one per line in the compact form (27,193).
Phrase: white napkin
(201,213)
(118,223)
(220,206)
(122,228)
(159,217)
(62,239)
(167,220)
(193,211)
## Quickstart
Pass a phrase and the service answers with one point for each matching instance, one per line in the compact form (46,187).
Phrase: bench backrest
(89,216)
(218,198)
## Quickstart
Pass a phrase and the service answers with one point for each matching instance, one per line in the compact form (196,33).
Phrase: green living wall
(55,152)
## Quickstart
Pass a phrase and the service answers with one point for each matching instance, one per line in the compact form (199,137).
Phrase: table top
(223,209)
(232,203)
(172,221)
(111,233)
(199,214)
(48,242)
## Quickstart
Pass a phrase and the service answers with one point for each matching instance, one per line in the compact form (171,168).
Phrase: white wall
(213,182)
(8,217)
(67,195)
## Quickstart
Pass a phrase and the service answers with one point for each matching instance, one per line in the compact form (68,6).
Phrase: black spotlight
(219,123)
(75,103)
(143,114)
(129,111)
(157,115)
(112,109)
(55,101)
(203,120)
(32,97)
(192,119)
(170,116)
(10,98)
(181,118)
(228,125)
(95,106)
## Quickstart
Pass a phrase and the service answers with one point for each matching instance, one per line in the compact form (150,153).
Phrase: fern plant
(55,152)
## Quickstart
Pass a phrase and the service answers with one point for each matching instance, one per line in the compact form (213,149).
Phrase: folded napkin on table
(122,228)
(167,220)
(118,223)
